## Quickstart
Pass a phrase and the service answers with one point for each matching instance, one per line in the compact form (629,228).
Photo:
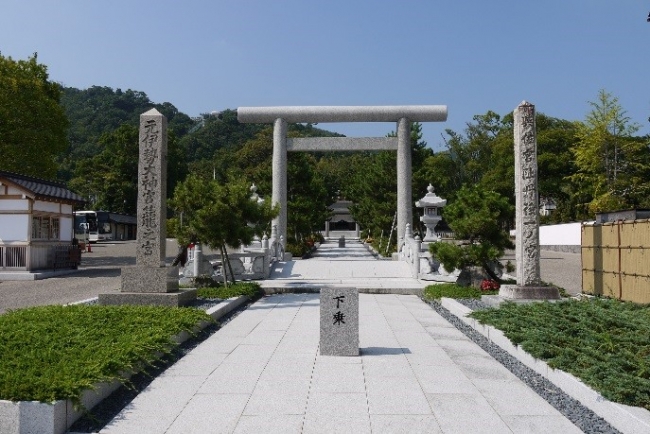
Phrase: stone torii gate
(402,115)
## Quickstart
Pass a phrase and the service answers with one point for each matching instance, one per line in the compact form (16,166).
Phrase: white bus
(93,224)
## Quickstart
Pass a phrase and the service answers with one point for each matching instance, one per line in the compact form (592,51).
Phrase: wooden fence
(616,260)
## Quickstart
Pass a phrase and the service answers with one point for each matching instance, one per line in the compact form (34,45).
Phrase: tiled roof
(42,188)
(123,219)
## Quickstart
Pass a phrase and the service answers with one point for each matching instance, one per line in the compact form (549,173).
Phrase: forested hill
(100,110)
(101,161)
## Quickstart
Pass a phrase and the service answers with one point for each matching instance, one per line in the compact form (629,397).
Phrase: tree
(33,126)
(101,110)
(373,189)
(483,155)
(216,131)
(612,166)
(373,185)
(220,215)
(477,217)
(470,156)
(307,196)
(110,179)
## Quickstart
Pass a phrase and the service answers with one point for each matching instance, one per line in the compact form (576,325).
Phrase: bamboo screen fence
(616,260)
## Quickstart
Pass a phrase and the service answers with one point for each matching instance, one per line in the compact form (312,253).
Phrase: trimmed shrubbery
(250,289)
(605,343)
(53,353)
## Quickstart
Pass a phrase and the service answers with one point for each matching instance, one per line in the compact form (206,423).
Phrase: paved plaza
(262,373)
(352,266)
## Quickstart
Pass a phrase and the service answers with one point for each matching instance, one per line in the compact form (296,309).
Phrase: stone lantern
(432,205)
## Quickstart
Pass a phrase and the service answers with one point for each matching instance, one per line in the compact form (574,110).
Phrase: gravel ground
(560,268)
(472,303)
(581,416)
(99,273)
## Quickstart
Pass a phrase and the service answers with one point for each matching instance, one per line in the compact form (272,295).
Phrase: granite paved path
(350,266)
(262,373)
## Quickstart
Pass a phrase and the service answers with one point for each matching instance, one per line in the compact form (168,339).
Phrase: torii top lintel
(316,114)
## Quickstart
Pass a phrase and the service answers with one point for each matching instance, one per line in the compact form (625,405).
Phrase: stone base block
(33,417)
(516,292)
(149,279)
(339,322)
(170,299)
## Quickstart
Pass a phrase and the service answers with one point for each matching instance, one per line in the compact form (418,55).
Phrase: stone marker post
(527,210)
(150,281)
(339,322)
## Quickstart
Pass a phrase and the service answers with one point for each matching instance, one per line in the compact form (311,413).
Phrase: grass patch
(451,290)
(51,353)
(250,289)
(605,343)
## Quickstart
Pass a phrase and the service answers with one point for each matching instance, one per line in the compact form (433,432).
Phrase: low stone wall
(247,265)
(564,237)
(561,248)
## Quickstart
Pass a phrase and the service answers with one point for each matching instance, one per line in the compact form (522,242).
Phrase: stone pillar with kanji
(527,250)
(150,281)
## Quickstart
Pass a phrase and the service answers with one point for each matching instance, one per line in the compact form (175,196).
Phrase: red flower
(489,285)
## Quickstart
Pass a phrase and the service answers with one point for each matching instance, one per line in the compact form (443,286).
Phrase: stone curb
(625,418)
(30,417)
(228,306)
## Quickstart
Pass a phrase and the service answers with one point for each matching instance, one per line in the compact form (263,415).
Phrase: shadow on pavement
(99,272)
(106,261)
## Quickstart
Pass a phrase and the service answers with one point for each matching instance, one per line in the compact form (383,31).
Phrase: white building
(36,224)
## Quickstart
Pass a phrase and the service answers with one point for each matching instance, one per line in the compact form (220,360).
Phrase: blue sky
(472,56)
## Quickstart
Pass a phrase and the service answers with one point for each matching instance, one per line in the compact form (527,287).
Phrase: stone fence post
(197,260)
